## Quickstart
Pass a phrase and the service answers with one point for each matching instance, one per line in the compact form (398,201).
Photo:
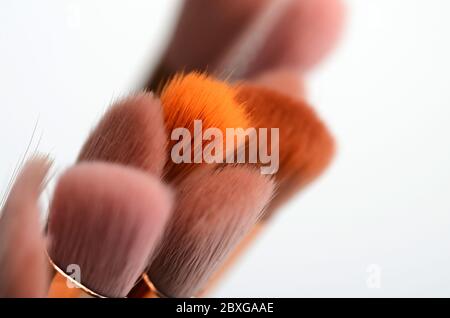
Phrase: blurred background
(376,224)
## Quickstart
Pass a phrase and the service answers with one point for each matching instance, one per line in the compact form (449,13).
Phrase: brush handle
(145,289)
(59,289)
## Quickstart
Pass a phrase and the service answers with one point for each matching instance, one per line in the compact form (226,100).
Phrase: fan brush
(214,209)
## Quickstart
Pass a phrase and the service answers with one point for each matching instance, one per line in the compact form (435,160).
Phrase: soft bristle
(196,96)
(304,34)
(306,146)
(131,133)
(204,32)
(24,270)
(106,219)
(215,209)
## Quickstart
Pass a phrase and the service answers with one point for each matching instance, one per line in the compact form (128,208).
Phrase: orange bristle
(196,96)
(306,146)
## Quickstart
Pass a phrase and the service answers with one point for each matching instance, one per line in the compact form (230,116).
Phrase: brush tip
(24,271)
(106,219)
(132,132)
(215,209)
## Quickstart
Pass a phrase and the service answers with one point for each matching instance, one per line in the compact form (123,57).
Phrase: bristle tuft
(196,96)
(106,219)
(131,133)
(24,270)
(306,146)
(215,209)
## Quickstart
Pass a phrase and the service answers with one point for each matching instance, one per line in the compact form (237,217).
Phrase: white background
(385,93)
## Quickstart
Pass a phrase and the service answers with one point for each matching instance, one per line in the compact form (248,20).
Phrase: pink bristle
(107,219)
(132,133)
(24,270)
(215,209)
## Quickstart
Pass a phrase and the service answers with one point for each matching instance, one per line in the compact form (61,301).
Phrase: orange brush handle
(59,289)
(63,286)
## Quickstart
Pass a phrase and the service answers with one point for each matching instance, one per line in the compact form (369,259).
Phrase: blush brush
(214,209)
(105,220)
(306,146)
(243,39)
(130,133)
(24,270)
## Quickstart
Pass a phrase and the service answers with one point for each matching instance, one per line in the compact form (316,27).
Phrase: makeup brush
(203,32)
(106,219)
(304,34)
(131,133)
(214,209)
(306,148)
(24,270)
(192,98)
(241,39)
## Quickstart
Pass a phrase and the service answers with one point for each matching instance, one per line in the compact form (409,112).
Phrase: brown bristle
(215,209)
(196,96)
(24,270)
(205,30)
(306,146)
(245,38)
(304,34)
(131,133)
(106,219)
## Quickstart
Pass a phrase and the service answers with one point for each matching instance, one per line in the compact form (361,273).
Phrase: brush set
(129,219)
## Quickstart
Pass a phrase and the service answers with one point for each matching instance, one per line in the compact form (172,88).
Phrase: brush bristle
(106,219)
(196,96)
(24,270)
(305,33)
(204,32)
(306,146)
(131,133)
(215,209)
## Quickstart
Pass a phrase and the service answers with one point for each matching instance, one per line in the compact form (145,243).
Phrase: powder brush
(24,270)
(106,219)
(242,39)
(131,133)
(214,209)
(306,146)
